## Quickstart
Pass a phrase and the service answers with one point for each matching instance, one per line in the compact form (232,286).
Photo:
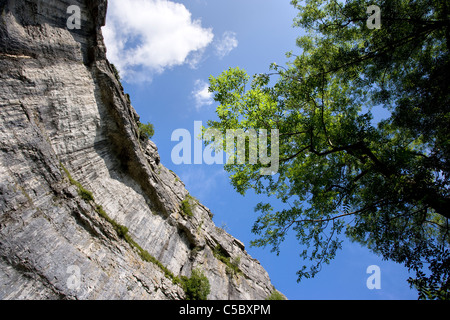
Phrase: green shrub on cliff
(197,287)
(146,130)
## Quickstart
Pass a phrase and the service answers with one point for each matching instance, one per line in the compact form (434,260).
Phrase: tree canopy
(381,182)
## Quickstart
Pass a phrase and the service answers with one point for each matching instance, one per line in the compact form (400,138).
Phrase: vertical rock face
(66,128)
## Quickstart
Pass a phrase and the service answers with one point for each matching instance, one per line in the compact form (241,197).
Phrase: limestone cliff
(87,211)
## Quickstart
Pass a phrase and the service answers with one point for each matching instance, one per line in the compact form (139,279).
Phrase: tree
(384,183)
(146,130)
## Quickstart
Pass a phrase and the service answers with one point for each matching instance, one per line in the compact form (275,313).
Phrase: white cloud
(201,94)
(226,44)
(195,58)
(145,37)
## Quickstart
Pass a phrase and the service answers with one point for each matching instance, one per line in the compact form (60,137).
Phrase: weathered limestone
(62,108)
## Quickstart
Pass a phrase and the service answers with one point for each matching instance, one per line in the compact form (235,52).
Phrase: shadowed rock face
(66,126)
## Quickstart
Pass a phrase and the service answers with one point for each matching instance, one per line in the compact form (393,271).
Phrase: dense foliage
(382,182)
(146,130)
(197,287)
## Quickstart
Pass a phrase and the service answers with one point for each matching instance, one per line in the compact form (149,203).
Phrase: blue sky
(165,51)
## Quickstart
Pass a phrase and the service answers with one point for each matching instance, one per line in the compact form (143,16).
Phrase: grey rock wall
(61,109)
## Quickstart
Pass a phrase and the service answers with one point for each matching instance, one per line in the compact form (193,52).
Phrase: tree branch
(295,155)
(328,219)
(292,133)
(387,48)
